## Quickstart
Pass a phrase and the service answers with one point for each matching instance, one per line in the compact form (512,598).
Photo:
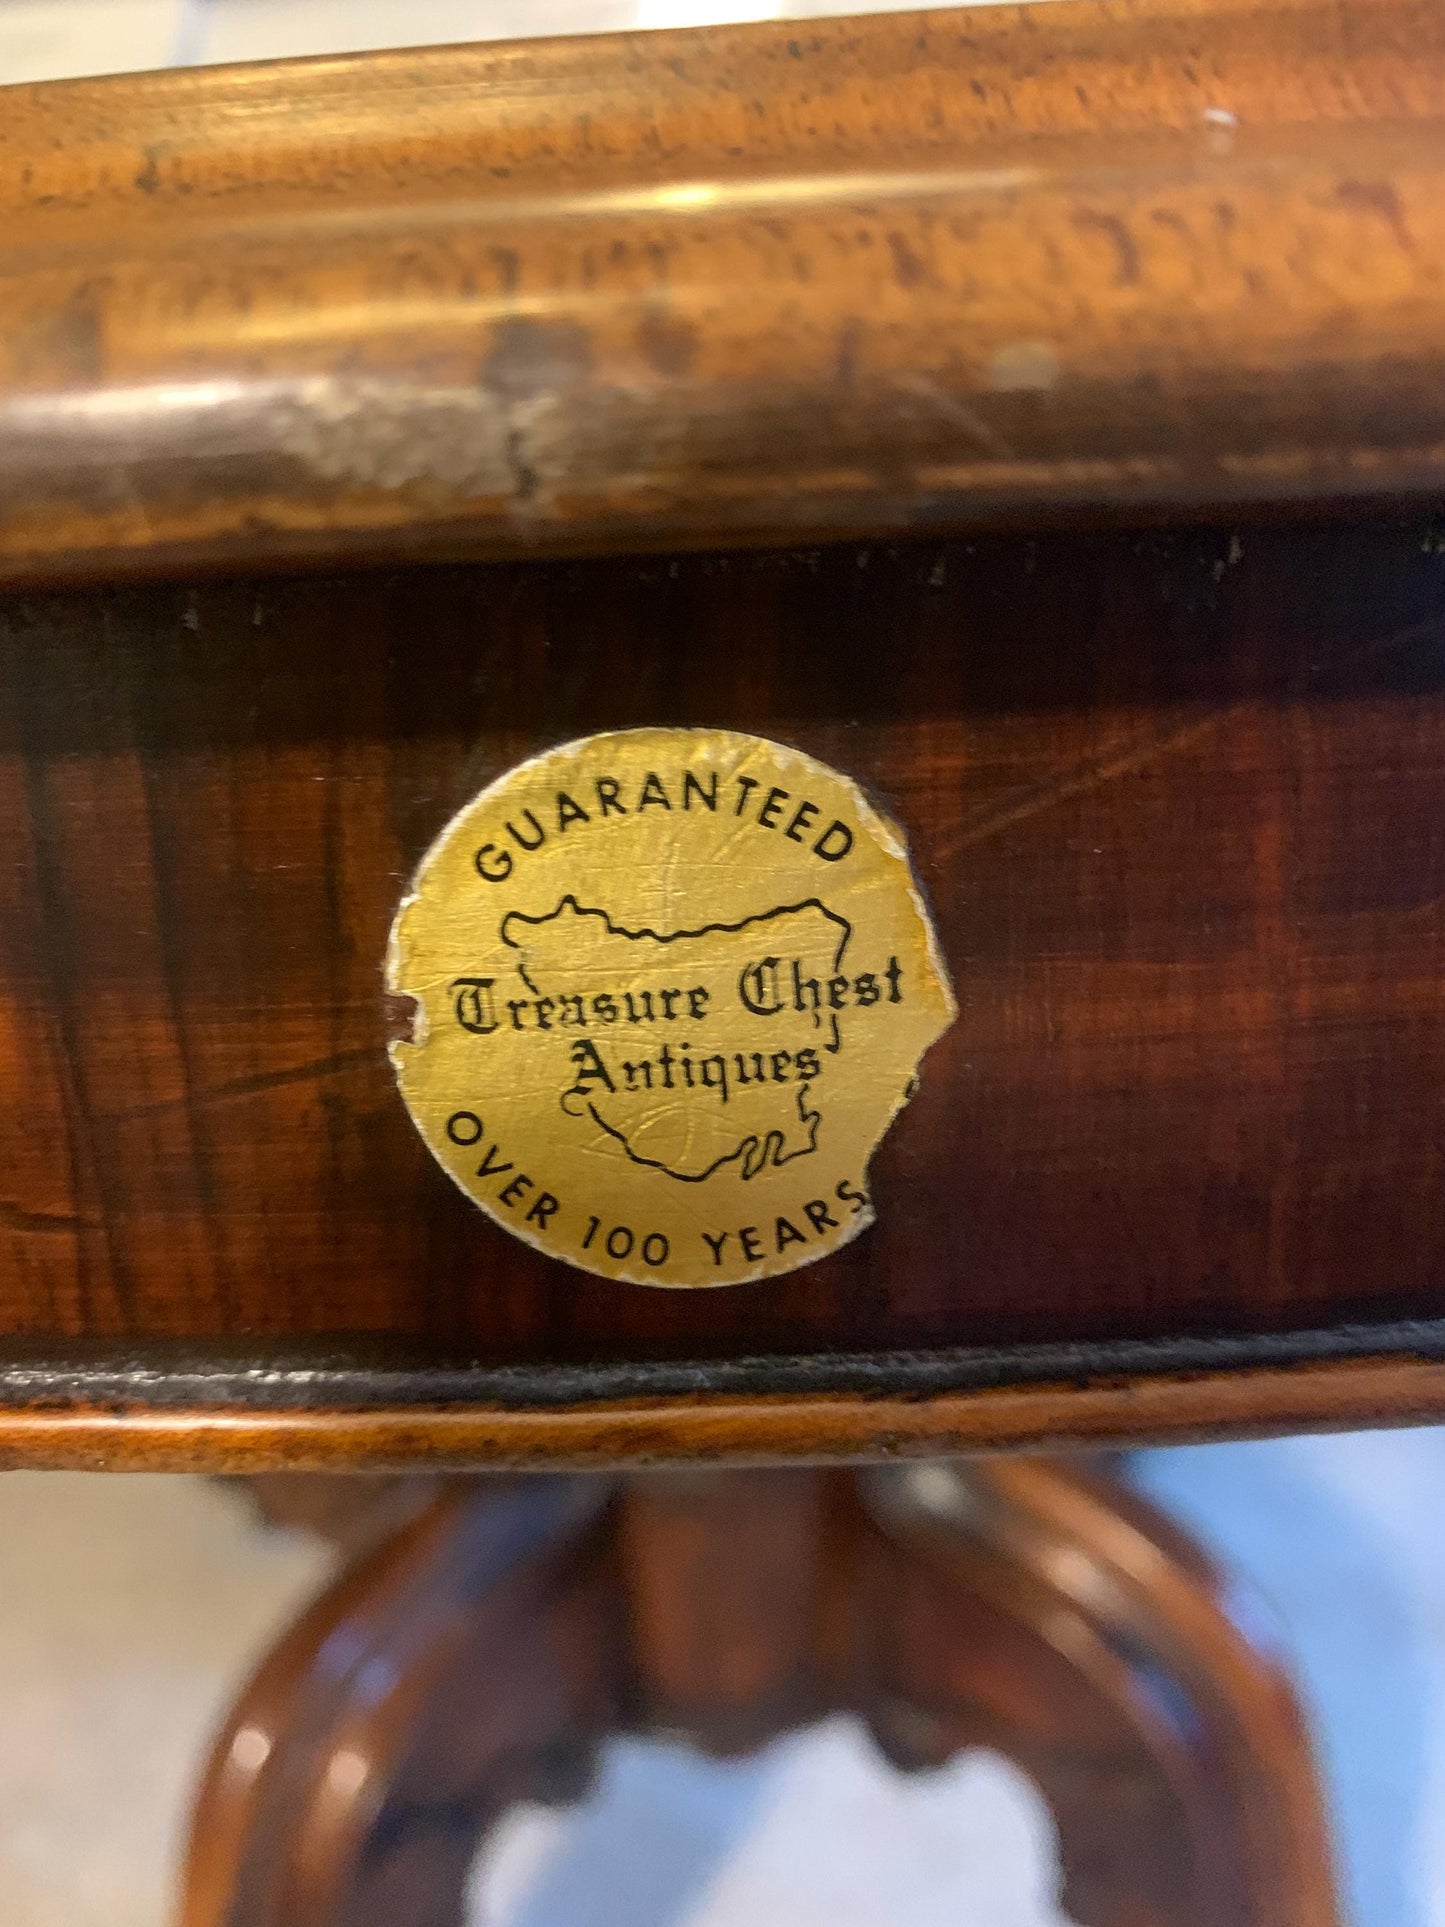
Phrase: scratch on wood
(1154,744)
(321,1067)
(15,1217)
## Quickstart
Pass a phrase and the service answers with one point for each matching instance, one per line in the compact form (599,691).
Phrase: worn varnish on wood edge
(1156,1409)
(747,284)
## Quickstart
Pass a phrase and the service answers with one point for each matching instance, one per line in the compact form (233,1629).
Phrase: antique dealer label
(671,986)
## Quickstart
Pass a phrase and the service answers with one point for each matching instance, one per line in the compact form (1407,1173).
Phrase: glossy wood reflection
(482,1654)
(1174,798)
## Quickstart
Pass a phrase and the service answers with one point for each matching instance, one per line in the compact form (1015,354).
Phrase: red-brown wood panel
(1177,798)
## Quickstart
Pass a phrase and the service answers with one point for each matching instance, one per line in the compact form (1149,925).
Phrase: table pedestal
(481,1651)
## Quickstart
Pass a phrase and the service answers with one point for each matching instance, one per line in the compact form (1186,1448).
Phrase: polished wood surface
(59,1422)
(478,1639)
(1173,792)
(1173,797)
(481,1655)
(223,816)
(769,282)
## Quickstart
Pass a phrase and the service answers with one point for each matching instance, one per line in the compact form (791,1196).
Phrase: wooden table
(1037,415)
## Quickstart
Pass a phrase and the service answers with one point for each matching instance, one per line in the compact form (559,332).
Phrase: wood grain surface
(1176,799)
(1177,795)
(760,283)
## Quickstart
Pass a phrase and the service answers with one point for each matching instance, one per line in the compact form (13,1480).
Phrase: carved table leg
(466,1663)
(1050,1613)
(476,1656)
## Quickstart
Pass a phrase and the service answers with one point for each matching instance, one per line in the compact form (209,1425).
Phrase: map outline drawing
(757,1150)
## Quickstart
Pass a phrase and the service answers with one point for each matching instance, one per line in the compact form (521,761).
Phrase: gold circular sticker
(671,986)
